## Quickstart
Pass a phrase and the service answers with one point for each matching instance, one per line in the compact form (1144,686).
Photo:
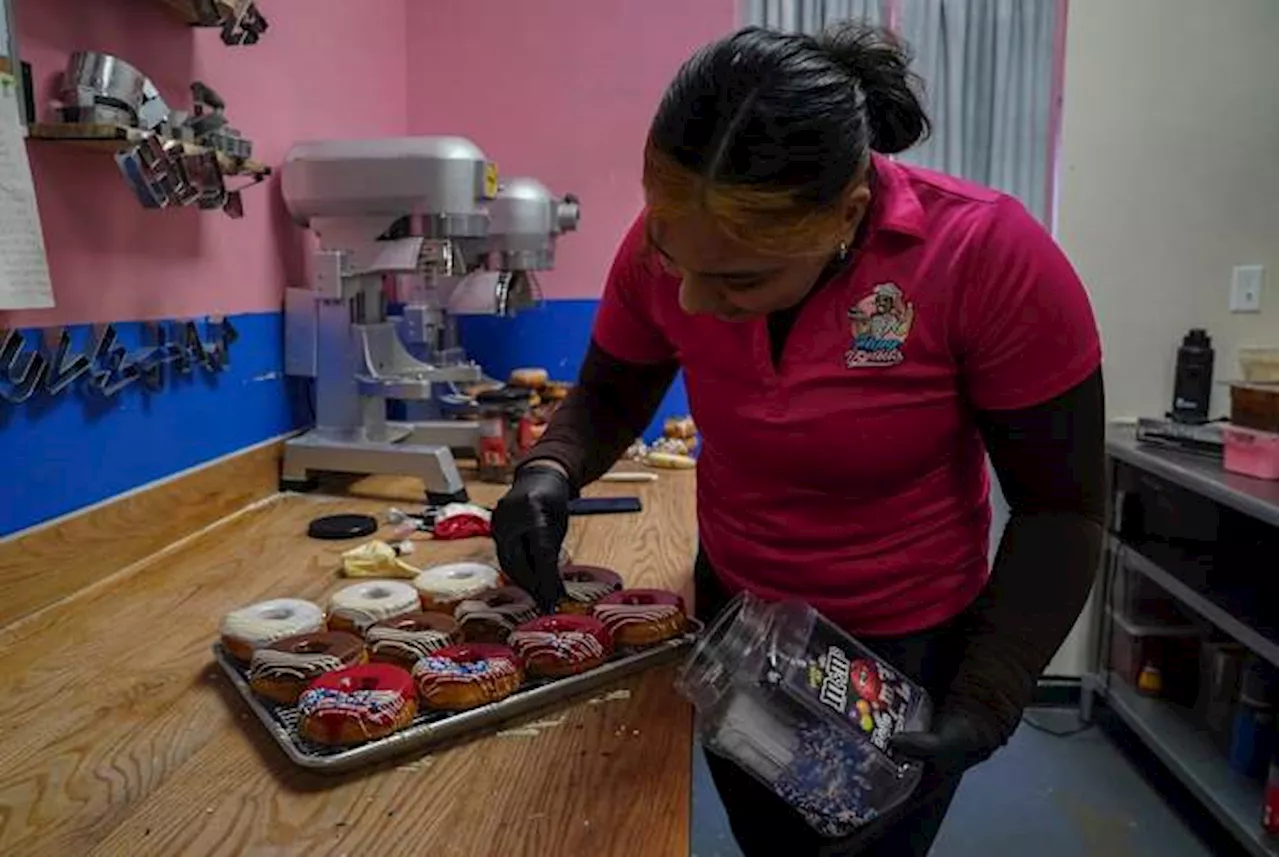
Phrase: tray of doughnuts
(390,667)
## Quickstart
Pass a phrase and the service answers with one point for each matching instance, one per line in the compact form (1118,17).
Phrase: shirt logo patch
(880,323)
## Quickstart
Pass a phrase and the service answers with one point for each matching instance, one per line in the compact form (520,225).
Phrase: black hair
(793,111)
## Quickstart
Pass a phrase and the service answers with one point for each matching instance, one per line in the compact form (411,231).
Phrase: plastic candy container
(806,709)
(504,432)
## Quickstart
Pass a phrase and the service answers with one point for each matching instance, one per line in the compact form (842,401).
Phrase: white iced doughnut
(250,628)
(356,607)
(454,581)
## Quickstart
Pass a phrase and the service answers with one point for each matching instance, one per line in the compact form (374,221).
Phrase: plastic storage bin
(1173,651)
(1139,600)
(1260,365)
(502,418)
(1221,666)
(805,709)
(1251,452)
(1255,405)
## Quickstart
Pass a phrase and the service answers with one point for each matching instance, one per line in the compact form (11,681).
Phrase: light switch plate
(1246,288)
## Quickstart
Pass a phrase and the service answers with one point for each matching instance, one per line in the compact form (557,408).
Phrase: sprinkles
(377,706)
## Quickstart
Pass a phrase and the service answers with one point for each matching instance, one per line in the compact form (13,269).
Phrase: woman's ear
(857,201)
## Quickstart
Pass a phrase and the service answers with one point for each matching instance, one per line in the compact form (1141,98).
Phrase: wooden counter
(119,736)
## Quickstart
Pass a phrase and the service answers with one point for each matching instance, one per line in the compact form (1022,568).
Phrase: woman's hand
(529,525)
(959,740)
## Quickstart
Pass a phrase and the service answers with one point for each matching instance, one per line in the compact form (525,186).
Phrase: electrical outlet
(1246,288)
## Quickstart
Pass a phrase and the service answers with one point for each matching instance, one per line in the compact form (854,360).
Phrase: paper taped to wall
(24,269)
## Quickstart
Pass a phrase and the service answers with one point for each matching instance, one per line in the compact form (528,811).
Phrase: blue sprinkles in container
(829,781)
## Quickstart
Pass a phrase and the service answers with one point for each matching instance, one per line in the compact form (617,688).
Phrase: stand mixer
(428,215)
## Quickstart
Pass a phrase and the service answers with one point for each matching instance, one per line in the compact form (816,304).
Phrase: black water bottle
(1193,381)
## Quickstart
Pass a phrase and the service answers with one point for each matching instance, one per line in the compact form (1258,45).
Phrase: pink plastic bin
(1251,452)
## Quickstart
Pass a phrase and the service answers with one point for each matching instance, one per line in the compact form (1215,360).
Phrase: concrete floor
(1091,793)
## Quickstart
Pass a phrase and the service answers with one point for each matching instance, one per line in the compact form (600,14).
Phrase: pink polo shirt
(853,476)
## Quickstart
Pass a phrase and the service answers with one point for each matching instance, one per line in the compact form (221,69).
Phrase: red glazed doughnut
(561,645)
(456,678)
(584,585)
(641,617)
(357,704)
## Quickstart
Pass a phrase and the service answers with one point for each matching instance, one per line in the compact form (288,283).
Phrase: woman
(857,337)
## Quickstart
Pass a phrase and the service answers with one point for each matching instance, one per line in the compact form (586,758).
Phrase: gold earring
(843,250)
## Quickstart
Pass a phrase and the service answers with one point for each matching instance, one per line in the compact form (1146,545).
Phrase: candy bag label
(848,680)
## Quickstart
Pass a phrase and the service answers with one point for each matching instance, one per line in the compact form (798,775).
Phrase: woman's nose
(698,298)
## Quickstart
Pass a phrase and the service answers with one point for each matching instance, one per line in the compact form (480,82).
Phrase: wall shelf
(241,23)
(112,138)
(186,10)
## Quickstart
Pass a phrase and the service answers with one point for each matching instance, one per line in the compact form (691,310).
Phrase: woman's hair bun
(880,63)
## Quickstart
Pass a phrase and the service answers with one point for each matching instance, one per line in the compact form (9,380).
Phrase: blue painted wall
(59,454)
(554,335)
(64,452)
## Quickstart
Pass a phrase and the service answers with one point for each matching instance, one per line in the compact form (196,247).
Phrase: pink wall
(559,89)
(326,68)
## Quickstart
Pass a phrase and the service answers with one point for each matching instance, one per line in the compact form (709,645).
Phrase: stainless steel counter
(1257,498)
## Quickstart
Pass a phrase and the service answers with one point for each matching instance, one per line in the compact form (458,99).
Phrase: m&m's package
(806,709)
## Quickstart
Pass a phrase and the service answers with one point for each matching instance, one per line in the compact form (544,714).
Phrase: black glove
(529,525)
(960,738)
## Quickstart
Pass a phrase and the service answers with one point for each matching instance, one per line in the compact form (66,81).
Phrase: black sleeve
(603,414)
(1049,462)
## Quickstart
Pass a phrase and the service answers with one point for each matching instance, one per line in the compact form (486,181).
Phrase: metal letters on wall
(107,366)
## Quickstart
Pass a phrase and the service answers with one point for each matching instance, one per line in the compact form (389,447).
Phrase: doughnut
(357,704)
(556,391)
(554,646)
(406,639)
(584,585)
(491,616)
(282,670)
(261,624)
(441,587)
(532,378)
(641,617)
(679,427)
(675,446)
(670,461)
(356,607)
(460,677)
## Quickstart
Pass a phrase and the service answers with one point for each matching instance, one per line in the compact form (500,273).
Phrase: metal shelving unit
(1205,589)
(1221,618)
(1233,799)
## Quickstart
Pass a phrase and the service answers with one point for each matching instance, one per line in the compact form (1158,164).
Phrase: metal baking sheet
(434,727)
